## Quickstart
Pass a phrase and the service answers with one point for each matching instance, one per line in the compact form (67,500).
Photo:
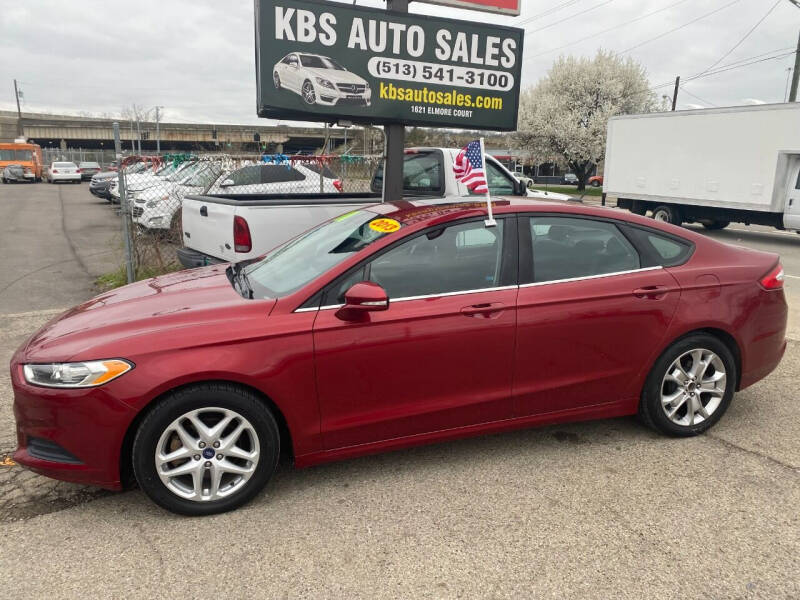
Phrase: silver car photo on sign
(320,80)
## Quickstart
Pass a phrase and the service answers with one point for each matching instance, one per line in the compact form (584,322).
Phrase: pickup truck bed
(235,227)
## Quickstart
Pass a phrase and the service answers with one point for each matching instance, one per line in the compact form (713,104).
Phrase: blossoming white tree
(564,117)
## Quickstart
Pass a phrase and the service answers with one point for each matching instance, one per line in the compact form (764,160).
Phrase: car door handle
(203,211)
(652,292)
(486,310)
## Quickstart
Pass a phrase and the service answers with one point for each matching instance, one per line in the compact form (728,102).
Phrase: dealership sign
(325,61)
(507,7)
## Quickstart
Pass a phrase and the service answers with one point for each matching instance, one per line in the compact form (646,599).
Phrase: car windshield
(320,62)
(298,262)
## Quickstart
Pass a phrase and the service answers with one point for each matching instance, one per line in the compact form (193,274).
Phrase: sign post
(395,141)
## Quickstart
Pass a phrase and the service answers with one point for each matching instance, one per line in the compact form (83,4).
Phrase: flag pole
(490,222)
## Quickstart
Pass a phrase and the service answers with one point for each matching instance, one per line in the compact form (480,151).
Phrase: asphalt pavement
(606,509)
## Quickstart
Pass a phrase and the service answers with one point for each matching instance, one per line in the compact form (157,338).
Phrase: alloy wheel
(308,93)
(276,79)
(207,454)
(693,387)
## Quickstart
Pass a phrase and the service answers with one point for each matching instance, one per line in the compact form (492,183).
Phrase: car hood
(337,76)
(144,315)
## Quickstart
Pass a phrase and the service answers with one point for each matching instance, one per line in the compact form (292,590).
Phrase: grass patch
(118,278)
(571,190)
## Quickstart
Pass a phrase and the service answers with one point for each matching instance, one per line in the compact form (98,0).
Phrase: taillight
(774,279)
(338,185)
(77,170)
(242,241)
(55,170)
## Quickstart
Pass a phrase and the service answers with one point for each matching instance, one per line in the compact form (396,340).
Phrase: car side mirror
(364,297)
(226,183)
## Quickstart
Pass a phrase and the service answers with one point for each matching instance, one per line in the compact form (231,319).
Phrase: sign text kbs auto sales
(324,61)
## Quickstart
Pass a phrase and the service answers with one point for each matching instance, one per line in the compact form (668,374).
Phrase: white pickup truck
(231,226)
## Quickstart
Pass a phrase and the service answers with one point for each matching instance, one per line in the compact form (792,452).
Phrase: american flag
(468,168)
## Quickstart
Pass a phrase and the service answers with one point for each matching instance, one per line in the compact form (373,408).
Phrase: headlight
(75,375)
(325,83)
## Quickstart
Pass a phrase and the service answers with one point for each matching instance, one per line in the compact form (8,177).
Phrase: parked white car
(147,177)
(63,171)
(268,178)
(156,207)
(320,80)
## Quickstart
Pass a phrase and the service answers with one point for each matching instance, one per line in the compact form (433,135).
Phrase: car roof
(426,213)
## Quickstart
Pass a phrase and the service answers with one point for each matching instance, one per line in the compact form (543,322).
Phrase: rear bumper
(191,259)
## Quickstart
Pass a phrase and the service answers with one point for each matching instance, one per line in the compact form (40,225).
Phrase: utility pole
(158,134)
(796,73)
(138,132)
(19,112)
(395,139)
(675,93)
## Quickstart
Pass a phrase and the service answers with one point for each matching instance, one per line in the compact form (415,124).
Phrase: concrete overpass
(90,133)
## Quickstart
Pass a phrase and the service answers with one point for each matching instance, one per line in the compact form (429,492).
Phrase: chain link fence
(155,186)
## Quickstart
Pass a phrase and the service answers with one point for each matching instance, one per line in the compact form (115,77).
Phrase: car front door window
(459,258)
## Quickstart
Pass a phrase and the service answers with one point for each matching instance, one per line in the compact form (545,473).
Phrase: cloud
(196,57)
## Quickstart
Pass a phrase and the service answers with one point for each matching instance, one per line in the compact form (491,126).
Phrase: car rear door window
(458,258)
(568,248)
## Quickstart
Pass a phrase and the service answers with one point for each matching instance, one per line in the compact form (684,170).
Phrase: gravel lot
(606,509)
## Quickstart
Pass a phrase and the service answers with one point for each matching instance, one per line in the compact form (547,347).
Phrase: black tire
(651,409)
(714,225)
(667,214)
(595,184)
(221,395)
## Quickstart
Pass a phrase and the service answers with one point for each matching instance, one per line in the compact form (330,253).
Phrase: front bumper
(73,435)
(329,97)
(191,259)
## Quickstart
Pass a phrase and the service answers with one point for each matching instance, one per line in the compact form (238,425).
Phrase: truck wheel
(667,214)
(712,225)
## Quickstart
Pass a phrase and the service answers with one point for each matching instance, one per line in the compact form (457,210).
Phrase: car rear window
(64,164)
(256,174)
(659,249)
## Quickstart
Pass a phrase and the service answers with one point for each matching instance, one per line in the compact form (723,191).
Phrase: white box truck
(712,166)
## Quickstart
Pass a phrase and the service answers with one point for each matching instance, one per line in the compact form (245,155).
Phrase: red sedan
(396,325)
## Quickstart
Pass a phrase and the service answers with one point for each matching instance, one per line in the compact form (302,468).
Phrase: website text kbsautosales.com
(389,91)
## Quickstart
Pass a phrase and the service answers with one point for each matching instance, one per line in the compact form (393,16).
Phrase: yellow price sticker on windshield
(384,225)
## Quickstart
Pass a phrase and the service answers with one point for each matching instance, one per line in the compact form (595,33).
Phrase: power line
(698,97)
(744,62)
(741,41)
(583,12)
(618,26)
(695,20)
(549,11)
(724,69)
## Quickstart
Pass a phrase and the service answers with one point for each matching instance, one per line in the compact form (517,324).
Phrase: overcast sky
(195,57)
